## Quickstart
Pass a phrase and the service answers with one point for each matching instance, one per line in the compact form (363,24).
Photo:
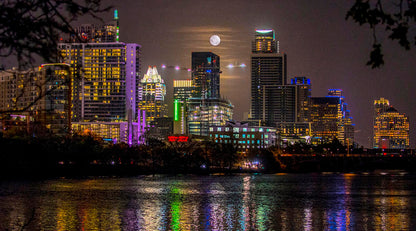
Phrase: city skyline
(320,45)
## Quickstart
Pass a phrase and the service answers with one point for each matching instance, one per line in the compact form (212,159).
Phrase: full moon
(215,40)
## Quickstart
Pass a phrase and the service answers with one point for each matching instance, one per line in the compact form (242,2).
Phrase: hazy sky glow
(320,44)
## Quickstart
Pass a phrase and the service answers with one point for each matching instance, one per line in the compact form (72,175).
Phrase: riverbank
(286,164)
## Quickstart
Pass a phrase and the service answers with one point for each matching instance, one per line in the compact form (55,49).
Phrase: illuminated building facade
(182,91)
(325,115)
(205,108)
(265,42)
(152,92)
(380,106)
(106,76)
(331,119)
(206,75)
(243,136)
(213,112)
(294,132)
(268,72)
(41,97)
(391,128)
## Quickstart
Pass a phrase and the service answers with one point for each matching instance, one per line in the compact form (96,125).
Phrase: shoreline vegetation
(86,155)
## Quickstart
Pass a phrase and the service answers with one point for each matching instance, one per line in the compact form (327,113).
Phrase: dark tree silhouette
(31,29)
(397,17)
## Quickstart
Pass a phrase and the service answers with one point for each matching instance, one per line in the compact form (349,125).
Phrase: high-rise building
(268,71)
(303,97)
(390,128)
(206,74)
(105,80)
(206,107)
(294,125)
(331,119)
(325,114)
(182,91)
(152,92)
(40,96)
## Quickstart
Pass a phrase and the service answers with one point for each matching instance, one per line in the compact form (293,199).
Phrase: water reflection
(246,202)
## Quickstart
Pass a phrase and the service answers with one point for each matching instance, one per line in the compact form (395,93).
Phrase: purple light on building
(141,126)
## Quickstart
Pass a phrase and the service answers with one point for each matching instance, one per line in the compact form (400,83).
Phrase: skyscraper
(390,128)
(206,107)
(268,71)
(331,119)
(206,74)
(303,97)
(152,92)
(105,78)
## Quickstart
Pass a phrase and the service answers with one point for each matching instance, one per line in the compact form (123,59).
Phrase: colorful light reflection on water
(243,202)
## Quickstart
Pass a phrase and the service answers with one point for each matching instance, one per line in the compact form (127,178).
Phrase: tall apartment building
(390,128)
(105,80)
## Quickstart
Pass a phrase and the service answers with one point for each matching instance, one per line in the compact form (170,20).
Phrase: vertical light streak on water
(285,221)
(150,213)
(89,218)
(262,215)
(393,213)
(66,216)
(217,213)
(245,208)
(175,207)
(307,224)
(347,219)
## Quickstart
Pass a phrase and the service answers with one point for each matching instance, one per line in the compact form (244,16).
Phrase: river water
(379,201)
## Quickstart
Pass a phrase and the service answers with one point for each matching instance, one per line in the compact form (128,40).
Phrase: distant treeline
(84,155)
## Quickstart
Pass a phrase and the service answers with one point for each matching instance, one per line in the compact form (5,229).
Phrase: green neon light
(176,110)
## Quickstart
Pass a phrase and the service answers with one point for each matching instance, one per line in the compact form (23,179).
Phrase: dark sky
(320,44)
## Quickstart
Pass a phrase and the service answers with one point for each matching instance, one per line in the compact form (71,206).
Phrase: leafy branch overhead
(31,29)
(397,17)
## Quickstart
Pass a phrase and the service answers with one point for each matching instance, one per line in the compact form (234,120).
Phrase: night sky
(320,44)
